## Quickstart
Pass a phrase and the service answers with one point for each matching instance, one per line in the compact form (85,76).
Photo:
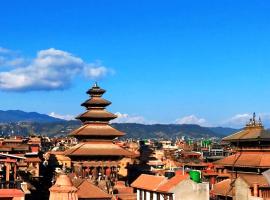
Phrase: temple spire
(254,118)
(96,107)
(253,123)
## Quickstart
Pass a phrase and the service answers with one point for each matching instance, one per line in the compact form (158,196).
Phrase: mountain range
(18,122)
(21,116)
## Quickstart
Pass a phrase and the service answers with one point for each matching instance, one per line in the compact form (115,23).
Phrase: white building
(180,187)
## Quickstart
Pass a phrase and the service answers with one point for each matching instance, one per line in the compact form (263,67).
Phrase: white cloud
(5,50)
(191,119)
(9,58)
(52,69)
(126,118)
(59,116)
(240,120)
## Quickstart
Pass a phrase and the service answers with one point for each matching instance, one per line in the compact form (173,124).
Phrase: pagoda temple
(96,156)
(250,160)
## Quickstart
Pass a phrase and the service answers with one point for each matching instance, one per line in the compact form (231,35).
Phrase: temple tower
(96,155)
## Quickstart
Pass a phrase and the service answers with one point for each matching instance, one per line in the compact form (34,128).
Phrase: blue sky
(204,62)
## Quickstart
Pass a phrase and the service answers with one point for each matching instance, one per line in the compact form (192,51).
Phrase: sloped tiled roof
(247,159)
(97,148)
(87,190)
(223,188)
(172,182)
(96,101)
(158,183)
(148,182)
(97,129)
(249,133)
(6,193)
(252,179)
(96,114)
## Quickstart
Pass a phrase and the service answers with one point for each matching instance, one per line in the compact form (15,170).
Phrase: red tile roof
(223,188)
(252,179)
(87,190)
(5,193)
(96,101)
(172,182)
(97,129)
(249,133)
(148,182)
(158,183)
(247,159)
(97,148)
(96,114)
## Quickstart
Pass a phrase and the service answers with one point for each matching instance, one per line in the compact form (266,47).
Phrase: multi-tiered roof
(96,135)
(252,144)
(252,158)
(252,132)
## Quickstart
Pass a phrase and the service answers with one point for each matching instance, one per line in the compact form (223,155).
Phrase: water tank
(195,175)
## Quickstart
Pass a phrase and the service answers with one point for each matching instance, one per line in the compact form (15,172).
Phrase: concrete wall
(186,190)
(189,190)
(242,191)
(256,198)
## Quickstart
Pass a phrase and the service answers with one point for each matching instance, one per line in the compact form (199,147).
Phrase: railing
(10,185)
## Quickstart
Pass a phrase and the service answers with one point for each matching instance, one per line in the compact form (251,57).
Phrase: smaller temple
(67,188)
(246,165)
(63,189)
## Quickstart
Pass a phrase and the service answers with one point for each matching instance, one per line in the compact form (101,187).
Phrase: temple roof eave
(97,149)
(96,115)
(248,134)
(96,101)
(93,129)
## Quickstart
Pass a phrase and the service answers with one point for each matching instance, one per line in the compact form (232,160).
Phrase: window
(140,193)
(151,196)
(144,195)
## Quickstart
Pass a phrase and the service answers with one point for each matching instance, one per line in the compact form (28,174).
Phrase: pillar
(37,169)
(255,189)
(260,193)
(7,171)
(15,171)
